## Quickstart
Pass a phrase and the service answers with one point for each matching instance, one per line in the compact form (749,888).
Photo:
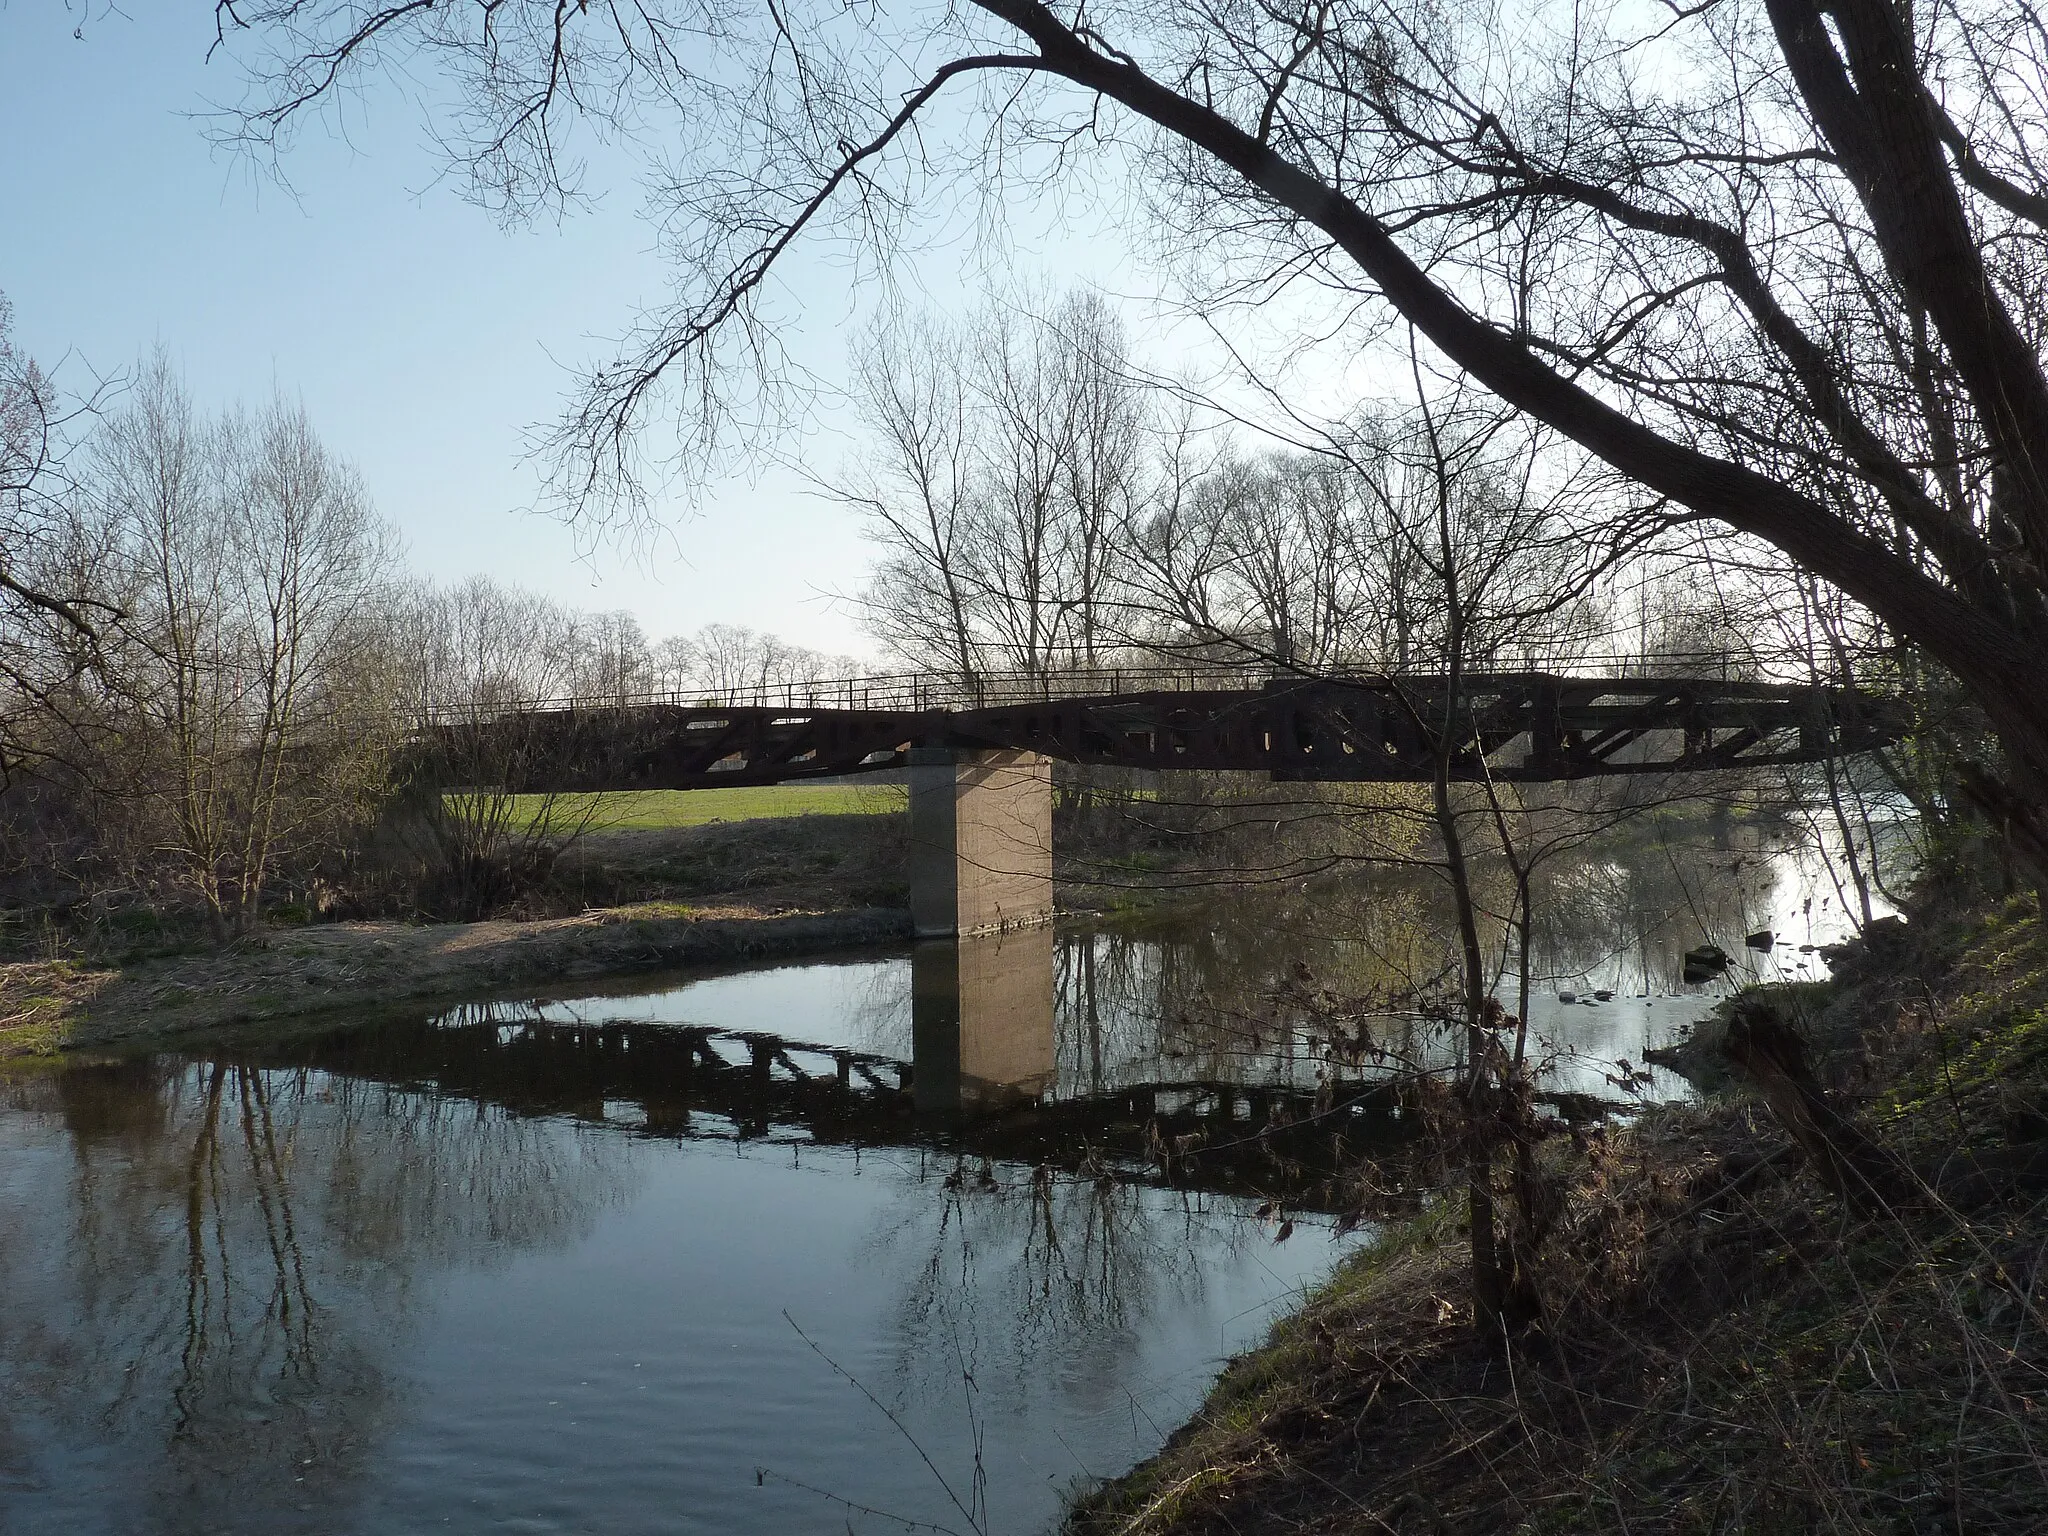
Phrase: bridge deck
(1509,726)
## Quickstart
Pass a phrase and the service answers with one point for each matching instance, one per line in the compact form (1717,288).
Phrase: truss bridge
(1517,726)
(978,752)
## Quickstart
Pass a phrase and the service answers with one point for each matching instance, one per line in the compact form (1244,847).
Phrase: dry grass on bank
(810,862)
(1714,1361)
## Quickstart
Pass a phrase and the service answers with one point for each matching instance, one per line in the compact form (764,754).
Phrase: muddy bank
(51,1007)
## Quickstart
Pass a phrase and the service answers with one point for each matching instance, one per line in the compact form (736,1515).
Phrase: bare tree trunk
(1482,1088)
(1481,1091)
(1770,1053)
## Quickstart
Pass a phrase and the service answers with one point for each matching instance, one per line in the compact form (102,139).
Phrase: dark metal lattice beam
(1524,726)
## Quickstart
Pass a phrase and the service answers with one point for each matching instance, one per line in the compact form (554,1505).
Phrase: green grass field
(656,809)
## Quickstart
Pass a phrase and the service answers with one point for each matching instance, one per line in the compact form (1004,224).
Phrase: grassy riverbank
(1725,1347)
(649,810)
(656,879)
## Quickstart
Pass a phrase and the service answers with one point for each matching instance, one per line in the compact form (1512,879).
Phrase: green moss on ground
(39,1002)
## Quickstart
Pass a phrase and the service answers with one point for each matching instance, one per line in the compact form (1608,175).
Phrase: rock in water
(1704,963)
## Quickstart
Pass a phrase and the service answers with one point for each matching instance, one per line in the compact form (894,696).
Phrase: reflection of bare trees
(1106,983)
(224,1260)
(1245,989)
(1018,1273)
(1217,995)
(878,1019)
(213,1322)
(1631,913)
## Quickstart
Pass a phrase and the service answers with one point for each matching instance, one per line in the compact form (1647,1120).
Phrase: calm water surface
(242,1294)
(821,1248)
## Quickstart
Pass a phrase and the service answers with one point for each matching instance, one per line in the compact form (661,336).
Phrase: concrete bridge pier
(980,841)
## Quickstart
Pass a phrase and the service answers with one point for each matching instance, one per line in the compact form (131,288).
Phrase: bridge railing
(919,692)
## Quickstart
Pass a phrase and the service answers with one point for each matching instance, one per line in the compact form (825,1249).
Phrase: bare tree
(1325,559)
(1461,515)
(49,620)
(1012,452)
(917,493)
(250,562)
(1291,536)
(675,662)
(1784,270)
(616,664)
(482,651)
(732,658)
(480,645)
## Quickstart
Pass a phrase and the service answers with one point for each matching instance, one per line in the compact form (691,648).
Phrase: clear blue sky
(426,341)
(423,339)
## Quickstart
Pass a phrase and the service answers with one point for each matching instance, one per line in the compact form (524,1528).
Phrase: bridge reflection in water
(409,1271)
(982,1078)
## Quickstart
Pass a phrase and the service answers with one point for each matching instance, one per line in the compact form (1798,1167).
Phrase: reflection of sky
(1791,894)
(850,1003)
(1576,1045)
(668,1373)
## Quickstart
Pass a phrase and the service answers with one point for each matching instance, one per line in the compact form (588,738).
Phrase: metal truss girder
(1294,730)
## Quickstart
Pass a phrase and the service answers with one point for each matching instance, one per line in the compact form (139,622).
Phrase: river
(919,1239)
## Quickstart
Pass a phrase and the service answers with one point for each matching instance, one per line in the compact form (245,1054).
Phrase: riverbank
(1725,1347)
(642,890)
(625,897)
(50,1008)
